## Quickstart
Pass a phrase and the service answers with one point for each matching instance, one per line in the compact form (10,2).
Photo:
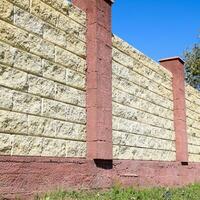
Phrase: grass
(191,192)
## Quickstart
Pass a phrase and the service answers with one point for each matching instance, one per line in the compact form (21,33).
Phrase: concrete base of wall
(27,176)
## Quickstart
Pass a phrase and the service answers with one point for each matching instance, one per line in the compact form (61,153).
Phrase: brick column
(176,66)
(99,77)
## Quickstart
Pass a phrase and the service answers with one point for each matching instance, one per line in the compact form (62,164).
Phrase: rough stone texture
(70,130)
(12,122)
(6,54)
(6,10)
(135,127)
(65,40)
(70,60)
(40,86)
(142,141)
(6,96)
(138,153)
(193,123)
(53,71)
(45,12)
(26,103)
(41,126)
(64,75)
(132,101)
(143,126)
(28,22)
(71,27)
(42,92)
(13,78)
(68,9)
(70,95)
(63,111)
(6,141)
(24,40)
(163,75)
(132,114)
(28,62)
(25,4)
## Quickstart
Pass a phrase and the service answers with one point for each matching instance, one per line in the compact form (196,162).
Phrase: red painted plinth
(27,176)
(176,66)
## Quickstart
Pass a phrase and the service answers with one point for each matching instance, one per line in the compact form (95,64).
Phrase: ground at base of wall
(191,192)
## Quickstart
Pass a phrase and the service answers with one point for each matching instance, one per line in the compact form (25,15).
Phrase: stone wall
(142,106)
(193,123)
(42,78)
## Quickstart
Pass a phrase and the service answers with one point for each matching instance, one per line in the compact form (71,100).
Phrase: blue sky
(158,28)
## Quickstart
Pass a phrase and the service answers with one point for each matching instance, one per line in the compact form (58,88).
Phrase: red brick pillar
(176,66)
(99,77)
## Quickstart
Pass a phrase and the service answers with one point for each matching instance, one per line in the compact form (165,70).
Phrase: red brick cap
(172,58)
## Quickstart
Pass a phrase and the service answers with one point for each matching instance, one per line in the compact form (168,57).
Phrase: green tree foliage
(192,66)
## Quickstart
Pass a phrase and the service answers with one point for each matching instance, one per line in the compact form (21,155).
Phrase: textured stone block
(24,40)
(55,35)
(193,123)
(64,111)
(28,22)
(134,53)
(193,140)
(141,116)
(28,62)
(138,91)
(75,79)
(12,122)
(193,115)
(27,145)
(41,47)
(194,158)
(194,149)
(141,68)
(41,86)
(140,80)
(26,103)
(6,10)
(45,12)
(192,93)
(68,9)
(142,104)
(66,40)
(126,152)
(192,106)
(53,147)
(71,27)
(6,96)
(13,78)
(135,127)
(41,126)
(54,71)
(6,141)
(70,130)
(70,95)
(70,60)
(75,149)
(134,140)
(193,131)
(25,4)
(6,54)
(14,35)
(76,46)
